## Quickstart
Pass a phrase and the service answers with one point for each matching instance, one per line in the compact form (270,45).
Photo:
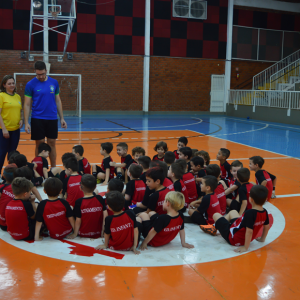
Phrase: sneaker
(99,181)
(210,229)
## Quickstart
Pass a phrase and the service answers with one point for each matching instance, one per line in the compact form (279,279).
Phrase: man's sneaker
(210,229)
(99,181)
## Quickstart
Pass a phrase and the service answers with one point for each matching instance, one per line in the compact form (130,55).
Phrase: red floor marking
(78,249)
(30,242)
(271,221)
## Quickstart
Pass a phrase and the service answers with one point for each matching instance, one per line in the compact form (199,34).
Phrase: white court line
(287,196)
(246,145)
(288,157)
(242,131)
(262,123)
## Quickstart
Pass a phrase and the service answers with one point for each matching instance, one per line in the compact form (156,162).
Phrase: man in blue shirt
(43,92)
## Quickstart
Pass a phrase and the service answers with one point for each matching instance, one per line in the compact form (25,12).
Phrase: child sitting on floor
(222,156)
(263,177)
(55,213)
(89,211)
(126,161)
(135,188)
(197,167)
(233,183)
(159,230)
(242,203)
(137,152)
(209,205)
(175,173)
(6,193)
(106,171)
(42,163)
(71,185)
(182,142)
(241,230)
(64,158)
(20,212)
(121,229)
(84,165)
(161,148)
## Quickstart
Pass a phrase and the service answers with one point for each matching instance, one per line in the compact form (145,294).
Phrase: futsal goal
(69,86)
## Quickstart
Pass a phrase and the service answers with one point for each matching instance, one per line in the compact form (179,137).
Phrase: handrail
(263,77)
(284,72)
(249,79)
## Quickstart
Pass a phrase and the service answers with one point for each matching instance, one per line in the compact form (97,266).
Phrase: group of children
(158,191)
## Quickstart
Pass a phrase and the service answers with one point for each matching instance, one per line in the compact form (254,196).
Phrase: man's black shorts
(224,228)
(235,205)
(41,128)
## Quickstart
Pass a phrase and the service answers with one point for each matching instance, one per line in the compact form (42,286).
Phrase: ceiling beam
(270,4)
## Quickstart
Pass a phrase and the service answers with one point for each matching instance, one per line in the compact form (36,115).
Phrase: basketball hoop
(53,13)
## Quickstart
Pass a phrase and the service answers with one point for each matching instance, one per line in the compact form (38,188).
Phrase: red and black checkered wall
(118,28)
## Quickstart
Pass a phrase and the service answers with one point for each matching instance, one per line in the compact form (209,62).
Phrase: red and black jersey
(157,199)
(189,166)
(176,154)
(168,184)
(262,175)
(71,186)
(6,196)
(252,219)
(90,211)
(167,228)
(63,176)
(208,207)
(121,230)
(105,165)
(41,163)
(126,160)
(84,166)
(18,213)
(220,193)
(225,170)
(136,190)
(155,157)
(55,214)
(190,183)
(244,192)
(179,186)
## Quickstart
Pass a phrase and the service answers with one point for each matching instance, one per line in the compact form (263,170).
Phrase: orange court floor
(271,272)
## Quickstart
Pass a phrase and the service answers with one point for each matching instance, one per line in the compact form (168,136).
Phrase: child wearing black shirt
(222,156)
(136,153)
(55,213)
(241,203)
(20,212)
(233,183)
(159,230)
(106,171)
(263,177)
(197,167)
(186,153)
(64,158)
(121,229)
(135,188)
(241,230)
(84,165)
(90,211)
(126,161)
(161,148)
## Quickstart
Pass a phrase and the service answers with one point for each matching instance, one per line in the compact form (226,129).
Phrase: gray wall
(269,114)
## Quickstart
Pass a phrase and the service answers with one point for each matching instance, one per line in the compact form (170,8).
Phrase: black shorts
(41,128)
(37,181)
(224,228)
(235,205)
(147,225)
(198,218)
(4,228)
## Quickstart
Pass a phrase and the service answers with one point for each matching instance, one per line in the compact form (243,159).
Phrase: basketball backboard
(53,9)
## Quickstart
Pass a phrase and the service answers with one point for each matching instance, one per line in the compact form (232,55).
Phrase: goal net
(69,86)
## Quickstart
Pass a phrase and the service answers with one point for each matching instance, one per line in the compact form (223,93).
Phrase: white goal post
(78,107)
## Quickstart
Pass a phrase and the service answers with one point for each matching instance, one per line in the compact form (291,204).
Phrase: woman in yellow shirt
(11,117)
